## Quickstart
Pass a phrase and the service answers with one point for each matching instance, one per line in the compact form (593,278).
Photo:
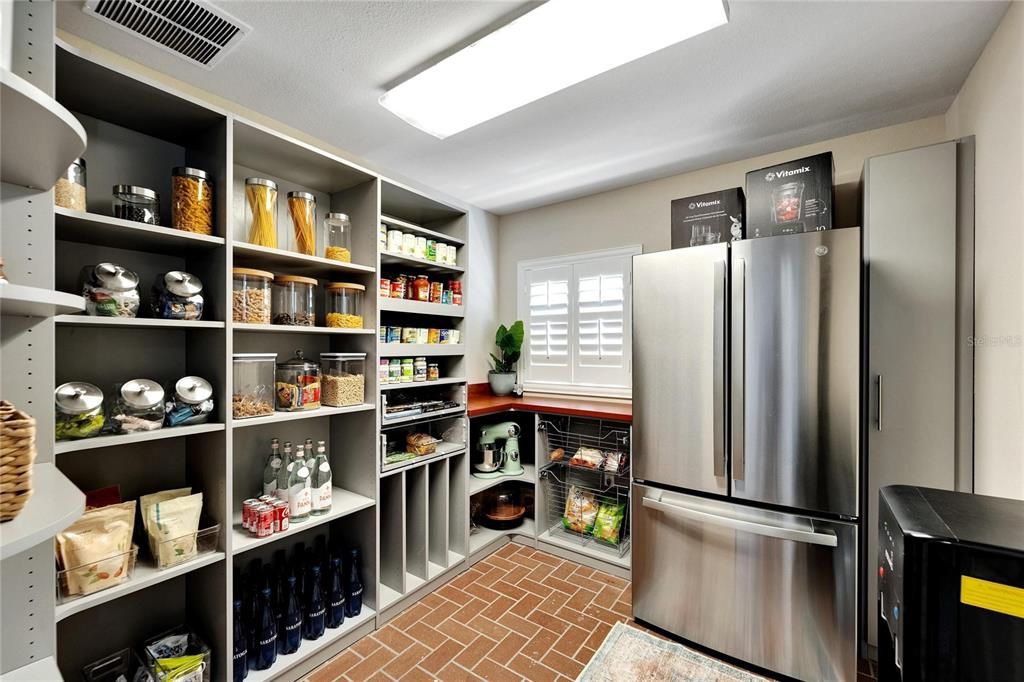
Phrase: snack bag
(172,529)
(93,549)
(609,520)
(580,511)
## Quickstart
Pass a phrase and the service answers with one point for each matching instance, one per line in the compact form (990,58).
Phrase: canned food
(281,516)
(433,335)
(436,292)
(394,241)
(385,287)
(444,335)
(264,521)
(398,286)
(431,250)
(409,244)
(248,506)
(409,334)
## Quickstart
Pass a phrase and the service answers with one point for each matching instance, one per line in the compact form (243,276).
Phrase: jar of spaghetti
(345,305)
(191,200)
(261,211)
(338,237)
(293,301)
(302,209)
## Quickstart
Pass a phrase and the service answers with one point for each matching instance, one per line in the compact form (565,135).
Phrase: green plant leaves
(509,341)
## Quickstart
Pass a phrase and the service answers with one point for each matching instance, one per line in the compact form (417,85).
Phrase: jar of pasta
(345,305)
(250,296)
(191,200)
(293,300)
(261,211)
(302,209)
(338,237)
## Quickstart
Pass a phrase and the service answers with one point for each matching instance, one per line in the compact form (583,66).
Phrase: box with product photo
(790,197)
(707,218)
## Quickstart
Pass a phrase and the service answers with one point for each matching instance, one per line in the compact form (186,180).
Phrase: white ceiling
(780,74)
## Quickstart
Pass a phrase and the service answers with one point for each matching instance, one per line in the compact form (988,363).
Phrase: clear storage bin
(338,237)
(69,192)
(96,576)
(139,407)
(343,380)
(252,392)
(261,212)
(345,305)
(250,296)
(293,301)
(298,384)
(138,204)
(191,200)
(79,410)
(124,666)
(177,295)
(302,210)
(174,551)
(110,290)
(178,655)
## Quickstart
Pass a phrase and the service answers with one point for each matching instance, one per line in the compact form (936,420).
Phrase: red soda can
(266,499)
(247,509)
(281,516)
(265,521)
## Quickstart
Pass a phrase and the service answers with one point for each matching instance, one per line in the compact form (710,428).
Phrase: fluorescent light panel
(559,44)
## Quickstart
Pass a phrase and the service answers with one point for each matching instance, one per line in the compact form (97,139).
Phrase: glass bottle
(321,481)
(354,588)
(272,470)
(310,456)
(335,594)
(240,664)
(300,495)
(266,632)
(313,623)
(284,472)
(291,618)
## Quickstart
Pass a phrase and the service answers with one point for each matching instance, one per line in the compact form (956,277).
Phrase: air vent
(192,29)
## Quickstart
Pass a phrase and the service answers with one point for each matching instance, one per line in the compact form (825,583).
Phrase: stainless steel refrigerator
(746,399)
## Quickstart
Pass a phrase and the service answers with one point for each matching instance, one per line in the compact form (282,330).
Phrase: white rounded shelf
(55,504)
(18,299)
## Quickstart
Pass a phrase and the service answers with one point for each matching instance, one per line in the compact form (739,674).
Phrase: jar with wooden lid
(250,295)
(345,305)
(338,237)
(191,200)
(293,300)
(302,209)
(261,212)
(69,192)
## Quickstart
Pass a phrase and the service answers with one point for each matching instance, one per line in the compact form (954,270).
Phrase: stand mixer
(499,459)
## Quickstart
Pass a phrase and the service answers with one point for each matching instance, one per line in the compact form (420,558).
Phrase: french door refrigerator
(746,448)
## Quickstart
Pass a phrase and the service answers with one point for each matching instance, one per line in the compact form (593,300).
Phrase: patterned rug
(630,655)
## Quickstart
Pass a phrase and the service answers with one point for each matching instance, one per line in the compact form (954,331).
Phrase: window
(576,310)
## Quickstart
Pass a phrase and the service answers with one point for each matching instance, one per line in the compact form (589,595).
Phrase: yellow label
(986,594)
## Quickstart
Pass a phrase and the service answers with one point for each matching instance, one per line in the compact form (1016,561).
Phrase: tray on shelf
(81,581)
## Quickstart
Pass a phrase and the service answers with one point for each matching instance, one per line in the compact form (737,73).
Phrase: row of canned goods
(419,335)
(265,515)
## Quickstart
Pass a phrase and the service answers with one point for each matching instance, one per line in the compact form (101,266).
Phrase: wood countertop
(482,402)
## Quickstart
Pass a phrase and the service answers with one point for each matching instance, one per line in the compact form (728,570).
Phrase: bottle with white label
(321,481)
(310,455)
(300,495)
(272,469)
(284,472)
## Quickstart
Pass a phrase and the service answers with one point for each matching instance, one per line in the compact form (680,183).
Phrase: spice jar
(110,290)
(138,204)
(345,305)
(419,369)
(79,412)
(433,372)
(421,288)
(343,378)
(252,391)
(177,295)
(250,296)
(261,211)
(139,407)
(191,403)
(191,200)
(297,384)
(338,237)
(293,301)
(302,209)
(69,192)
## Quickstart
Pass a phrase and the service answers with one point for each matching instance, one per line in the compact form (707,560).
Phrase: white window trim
(523,313)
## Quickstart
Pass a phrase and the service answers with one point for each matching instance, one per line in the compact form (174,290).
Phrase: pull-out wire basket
(588,444)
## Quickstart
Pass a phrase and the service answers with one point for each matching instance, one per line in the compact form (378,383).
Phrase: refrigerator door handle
(827,539)
(718,368)
(739,377)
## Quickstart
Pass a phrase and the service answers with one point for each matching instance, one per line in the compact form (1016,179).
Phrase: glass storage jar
(69,192)
(343,378)
(138,204)
(139,407)
(302,209)
(345,305)
(252,388)
(250,295)
(79,412)
(293,300)
(261,211)
(338,237)
(421,288)
(177,295)
(298,384)
(191,200)
(110,290)
(191,403)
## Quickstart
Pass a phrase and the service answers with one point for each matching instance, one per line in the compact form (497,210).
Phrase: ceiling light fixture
(552,47)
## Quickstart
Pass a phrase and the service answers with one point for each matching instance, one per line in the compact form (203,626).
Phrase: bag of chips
(580,510)
(608,524)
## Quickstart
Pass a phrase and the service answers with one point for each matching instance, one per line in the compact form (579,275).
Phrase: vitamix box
(791,197)
(707,218)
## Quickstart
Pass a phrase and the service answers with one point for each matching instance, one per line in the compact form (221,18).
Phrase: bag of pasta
(95,550)
(172,525)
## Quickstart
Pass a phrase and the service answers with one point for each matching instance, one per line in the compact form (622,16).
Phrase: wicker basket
(17,452)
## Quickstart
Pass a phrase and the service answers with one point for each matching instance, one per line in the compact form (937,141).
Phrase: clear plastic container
(139,407)
(293,301)
(69,192)
(79,412)
(250,296)
(253,385)
(302,210)
(117,667)
(338,237)
(178,655)
(138,204)
(345,305)
(261,212)
(110,290)
(78,581)
(298,384)
(343,380)
(191,200)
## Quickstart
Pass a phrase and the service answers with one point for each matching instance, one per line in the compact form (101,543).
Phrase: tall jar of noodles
(191,200)
(302,209)
(261,211)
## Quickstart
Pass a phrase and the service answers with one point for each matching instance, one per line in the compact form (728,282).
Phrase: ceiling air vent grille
(192,29)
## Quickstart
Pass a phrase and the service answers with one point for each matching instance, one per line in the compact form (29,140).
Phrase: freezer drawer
(772,589)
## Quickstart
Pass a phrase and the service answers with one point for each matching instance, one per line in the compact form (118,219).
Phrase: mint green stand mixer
(499,460)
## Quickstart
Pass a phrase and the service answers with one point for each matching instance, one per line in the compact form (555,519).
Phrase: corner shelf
(104,230)
(279,417)
(66,446)
(483,538)
(394,350)
(17,299)
(135,322)
(478,485)
(401,305)
(423,231)
(445,381)
(343,503)
(390,258)
(55,504)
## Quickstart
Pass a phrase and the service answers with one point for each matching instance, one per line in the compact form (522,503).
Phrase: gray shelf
(478,485)
(280,417)
(424,416)
(421,264)
(394,350)
(444,381)
(296,329)
(406,226)
(103,230)
(66,446)
(55,504)
(401,305)
(136,322)
(343,503)
(296,263)
(16,299)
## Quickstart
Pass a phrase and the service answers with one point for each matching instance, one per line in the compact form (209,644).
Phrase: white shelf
(17,299)
(444,450)
(65,446)
(394,350)
(279,417)
(401,305)
(424,416)
(391,258)
(145,575)
(343,503)
(43,670)
(413,582)
(477,485)
(104,230)
(40,137)
(406,226)
(444,381)
(296,329)
(484,537)
(296,263)
(307,648)
(135,322)
(590,548)
(55,504)
(388,596)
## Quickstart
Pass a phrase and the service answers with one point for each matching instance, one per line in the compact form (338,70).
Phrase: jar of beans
(138,204)
(293,300)
(250,296)
(345,305)
(191,200)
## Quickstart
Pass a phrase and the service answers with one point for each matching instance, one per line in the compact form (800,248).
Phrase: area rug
(629,655)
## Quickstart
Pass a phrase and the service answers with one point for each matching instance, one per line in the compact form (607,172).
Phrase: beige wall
(990,106)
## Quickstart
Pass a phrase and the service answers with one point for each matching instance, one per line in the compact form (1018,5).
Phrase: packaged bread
(94,551)
(556,455)
(172,525)
(420,444)
(591,458)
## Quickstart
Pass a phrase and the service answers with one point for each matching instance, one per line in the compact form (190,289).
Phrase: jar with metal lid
(252,389)
(191,403)
(191,200)
(177,295)
(343,379)
(302,209)
(433,372)
(110,290)
(139,407)
(261,212)
(338,237)
(419,369)
(345,305)
(250,295)
(421,288)
(138,204)
(69,192)
(79,410)
(293,301)
(297,384)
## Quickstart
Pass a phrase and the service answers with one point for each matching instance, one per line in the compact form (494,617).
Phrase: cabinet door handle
(718,367)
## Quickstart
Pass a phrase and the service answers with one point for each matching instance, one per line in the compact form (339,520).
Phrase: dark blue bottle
(291,618)
(266,632)
(335,594)
(313,627)
(354,588)
(240,662)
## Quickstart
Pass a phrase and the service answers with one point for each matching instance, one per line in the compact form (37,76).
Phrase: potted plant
(509,341)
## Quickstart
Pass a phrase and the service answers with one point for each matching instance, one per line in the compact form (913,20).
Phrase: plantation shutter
(549,308)
(602,288)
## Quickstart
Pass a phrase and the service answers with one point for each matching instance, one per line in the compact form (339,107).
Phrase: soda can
(281,516)
(266,499)
(264,521)
(247,508)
